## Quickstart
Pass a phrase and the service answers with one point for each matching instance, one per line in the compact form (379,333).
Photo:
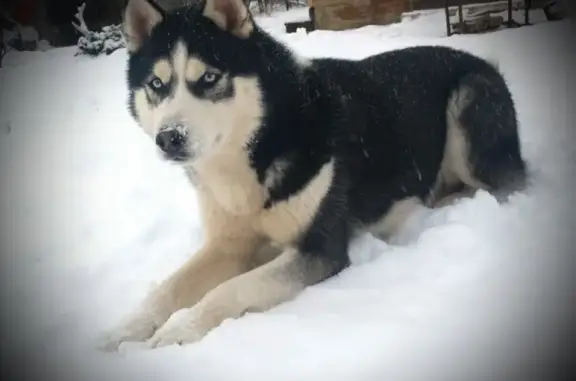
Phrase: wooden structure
(293,26)
(349,14)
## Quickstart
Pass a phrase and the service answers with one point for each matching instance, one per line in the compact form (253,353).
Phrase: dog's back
(421,122)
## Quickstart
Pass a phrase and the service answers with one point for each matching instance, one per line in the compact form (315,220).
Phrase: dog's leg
(258,290)
(322,253)
(231,248)
(210,266)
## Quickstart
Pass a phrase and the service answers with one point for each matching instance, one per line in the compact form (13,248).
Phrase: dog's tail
(482,106)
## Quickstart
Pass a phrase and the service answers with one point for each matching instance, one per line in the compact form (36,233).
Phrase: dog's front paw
(181,328)
(139,328)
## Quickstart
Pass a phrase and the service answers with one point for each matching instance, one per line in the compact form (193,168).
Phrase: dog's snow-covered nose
(171,142)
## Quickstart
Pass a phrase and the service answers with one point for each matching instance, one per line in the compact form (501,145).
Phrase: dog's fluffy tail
(483,107)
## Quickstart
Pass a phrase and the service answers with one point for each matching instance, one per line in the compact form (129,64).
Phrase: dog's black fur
(385,123)
(382,119)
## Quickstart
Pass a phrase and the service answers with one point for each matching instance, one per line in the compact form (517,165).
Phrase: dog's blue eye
(156,83)
(210,77)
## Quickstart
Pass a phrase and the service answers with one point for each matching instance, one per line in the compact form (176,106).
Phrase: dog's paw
(136,329)
(181,328)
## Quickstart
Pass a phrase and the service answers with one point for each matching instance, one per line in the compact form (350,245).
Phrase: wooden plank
(293,26)
(348,14)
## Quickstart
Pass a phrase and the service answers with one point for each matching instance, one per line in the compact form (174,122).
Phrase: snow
(96,218)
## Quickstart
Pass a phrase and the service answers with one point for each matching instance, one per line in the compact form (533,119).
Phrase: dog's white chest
(286,220)
(232,184)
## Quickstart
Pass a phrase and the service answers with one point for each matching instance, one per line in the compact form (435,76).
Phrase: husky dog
(292,158)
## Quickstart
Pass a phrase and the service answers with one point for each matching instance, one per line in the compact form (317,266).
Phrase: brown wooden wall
(347,14)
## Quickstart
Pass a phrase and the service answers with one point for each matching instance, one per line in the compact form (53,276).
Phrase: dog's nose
(170,141)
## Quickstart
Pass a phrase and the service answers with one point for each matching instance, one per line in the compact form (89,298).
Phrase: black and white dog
(291,158)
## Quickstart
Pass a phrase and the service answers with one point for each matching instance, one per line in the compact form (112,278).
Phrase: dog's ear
(230,15)
(140,17)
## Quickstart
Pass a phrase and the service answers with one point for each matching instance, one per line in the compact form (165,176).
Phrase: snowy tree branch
(81,27)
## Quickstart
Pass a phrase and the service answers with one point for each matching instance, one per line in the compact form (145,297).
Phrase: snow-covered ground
(93,218)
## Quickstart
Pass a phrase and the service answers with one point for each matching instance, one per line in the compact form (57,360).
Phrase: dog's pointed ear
(140,17)
(230,15)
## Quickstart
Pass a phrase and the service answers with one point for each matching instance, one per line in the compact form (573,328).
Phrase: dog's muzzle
(171,139)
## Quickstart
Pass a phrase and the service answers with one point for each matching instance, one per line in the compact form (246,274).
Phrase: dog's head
(192,78)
